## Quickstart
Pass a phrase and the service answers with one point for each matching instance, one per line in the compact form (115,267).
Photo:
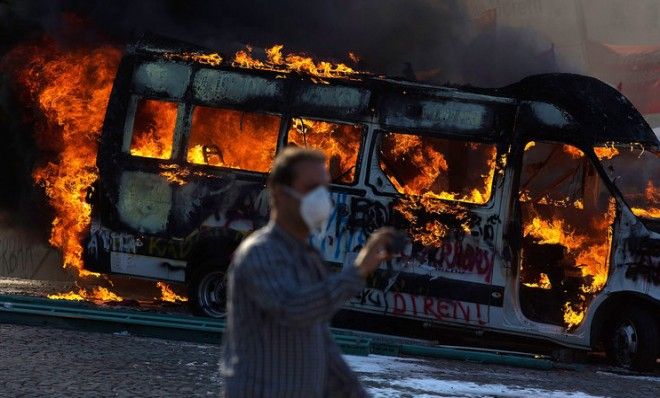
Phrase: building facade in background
(617,41)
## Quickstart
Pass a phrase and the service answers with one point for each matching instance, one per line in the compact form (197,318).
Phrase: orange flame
(167,294)
(530,145)
(432,232)
(339,142)
(553,232)
(574,152)
(71,89)
(417,165)
(591,256)
(646,213)
(652,196)
(543,283)
(254,150)
(213,59)
(573,314)
(277,61)
(153,129)
(98,293)
(606,152)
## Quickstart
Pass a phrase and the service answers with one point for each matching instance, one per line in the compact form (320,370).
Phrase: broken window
(567,213)
(339,141)
(234,139)
(448,169)
(633,169)
(153,129)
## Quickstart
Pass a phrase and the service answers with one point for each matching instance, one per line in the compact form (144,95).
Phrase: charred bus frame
(172,219)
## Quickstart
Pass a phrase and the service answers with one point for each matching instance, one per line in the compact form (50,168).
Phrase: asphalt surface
(47,362)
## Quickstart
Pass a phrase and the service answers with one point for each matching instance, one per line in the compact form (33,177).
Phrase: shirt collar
(288,239)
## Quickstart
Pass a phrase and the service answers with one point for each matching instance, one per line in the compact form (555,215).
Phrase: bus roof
(566,107)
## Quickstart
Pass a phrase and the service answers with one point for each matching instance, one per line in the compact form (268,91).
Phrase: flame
(573,314)
(213,59)
(529,145)
(71,90)
(585,232)
(543,283)
(524,196)
(176,177)
(70,296)
(591,255)
(196,155)
(574,152)
(606,152)
(430,163)
(416,166)
(167,294)
(153,129)
(553,231)
(646,213)
(253,148)
(98,293)
(339,142)
(430,233)
(277,61)
(652,196)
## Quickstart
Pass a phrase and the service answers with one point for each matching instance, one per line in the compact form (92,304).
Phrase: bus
(531,209)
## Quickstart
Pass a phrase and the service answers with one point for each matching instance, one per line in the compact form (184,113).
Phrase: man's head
(294,182)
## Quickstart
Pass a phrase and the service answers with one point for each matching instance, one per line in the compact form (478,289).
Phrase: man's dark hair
(284,165)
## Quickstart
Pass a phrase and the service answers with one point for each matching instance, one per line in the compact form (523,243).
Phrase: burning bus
(532,209)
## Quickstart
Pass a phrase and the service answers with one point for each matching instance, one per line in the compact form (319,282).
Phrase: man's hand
(375,251)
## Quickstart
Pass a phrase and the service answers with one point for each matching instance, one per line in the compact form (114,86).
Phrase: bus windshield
(636,172)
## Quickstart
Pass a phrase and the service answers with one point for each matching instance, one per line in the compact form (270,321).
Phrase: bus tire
(207,294)
(631,339)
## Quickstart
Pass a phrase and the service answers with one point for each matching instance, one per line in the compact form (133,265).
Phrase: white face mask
(315,207)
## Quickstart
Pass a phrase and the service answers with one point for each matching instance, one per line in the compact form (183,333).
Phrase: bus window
(340,142)
(153,129)
(234,139)
(633,169)
(447,169)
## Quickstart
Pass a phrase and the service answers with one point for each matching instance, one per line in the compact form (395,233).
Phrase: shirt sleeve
(342,381)
(273,287)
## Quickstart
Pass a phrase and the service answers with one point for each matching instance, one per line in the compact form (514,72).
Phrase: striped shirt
(280,298)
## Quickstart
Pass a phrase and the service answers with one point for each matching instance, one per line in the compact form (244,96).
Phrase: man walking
(280,296)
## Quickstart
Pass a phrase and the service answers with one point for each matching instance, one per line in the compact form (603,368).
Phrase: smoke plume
(428,40)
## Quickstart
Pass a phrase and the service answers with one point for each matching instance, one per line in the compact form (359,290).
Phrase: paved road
(46,362)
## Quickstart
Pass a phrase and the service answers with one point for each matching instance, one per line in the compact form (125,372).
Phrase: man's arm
(273,288)
(342,382)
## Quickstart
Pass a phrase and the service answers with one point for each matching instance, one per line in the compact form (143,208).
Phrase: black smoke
(430,40)
(431,35)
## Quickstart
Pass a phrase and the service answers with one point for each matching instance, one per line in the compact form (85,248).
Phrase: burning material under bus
(514,198)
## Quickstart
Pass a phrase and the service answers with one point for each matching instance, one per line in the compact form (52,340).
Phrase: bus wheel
(207,292)
(631,340)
